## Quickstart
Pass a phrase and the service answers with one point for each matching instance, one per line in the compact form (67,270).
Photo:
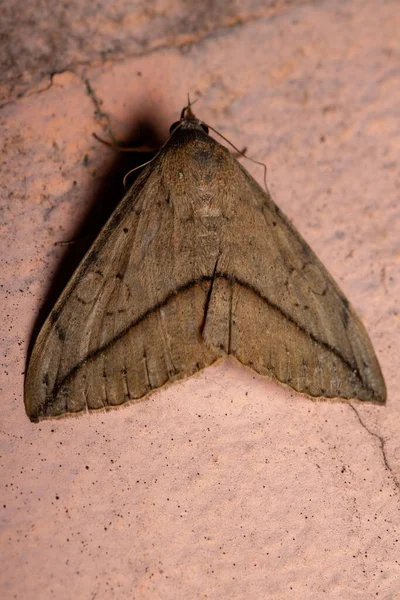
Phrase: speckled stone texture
(226,485)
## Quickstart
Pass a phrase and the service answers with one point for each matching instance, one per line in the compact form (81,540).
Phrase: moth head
(188,118)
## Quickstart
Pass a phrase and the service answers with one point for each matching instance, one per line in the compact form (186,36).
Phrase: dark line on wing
(146,368)
(206,278)
(230,319)
(209,293)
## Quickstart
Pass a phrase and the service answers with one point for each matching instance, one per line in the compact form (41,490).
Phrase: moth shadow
(146,129)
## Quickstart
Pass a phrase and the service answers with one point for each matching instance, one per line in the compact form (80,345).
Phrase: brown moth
(196,263)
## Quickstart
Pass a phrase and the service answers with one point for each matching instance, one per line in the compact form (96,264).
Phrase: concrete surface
(226,485)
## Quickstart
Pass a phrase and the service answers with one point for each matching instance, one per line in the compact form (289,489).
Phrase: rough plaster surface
(226,485)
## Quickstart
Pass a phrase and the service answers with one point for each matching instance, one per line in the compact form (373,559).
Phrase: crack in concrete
(99,112)
(40,90)
(182,41)
(93,96)
(381,444)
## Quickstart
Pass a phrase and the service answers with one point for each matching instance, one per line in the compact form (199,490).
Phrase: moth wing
(130,318)
(276,309)
(197,262)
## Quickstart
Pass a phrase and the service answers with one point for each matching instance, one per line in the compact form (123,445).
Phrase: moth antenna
(114,146)
(178,126)
(79,241)
(256,162)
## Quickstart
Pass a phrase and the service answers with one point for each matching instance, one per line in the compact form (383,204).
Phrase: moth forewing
(197,263)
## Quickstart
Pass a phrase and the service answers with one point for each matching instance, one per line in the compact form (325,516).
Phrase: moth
(195,264)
